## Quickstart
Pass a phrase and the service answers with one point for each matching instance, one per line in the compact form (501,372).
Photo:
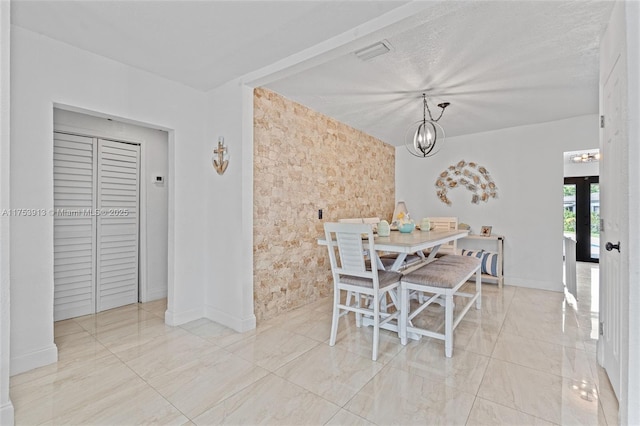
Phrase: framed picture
(485,231)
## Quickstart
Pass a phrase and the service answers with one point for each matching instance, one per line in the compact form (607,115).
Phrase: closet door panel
(74,226)
(117,224)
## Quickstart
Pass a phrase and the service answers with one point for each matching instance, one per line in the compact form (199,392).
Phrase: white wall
(526,164)
(46,72)
(153,196)
(229,288)
(6,407)
(572,169)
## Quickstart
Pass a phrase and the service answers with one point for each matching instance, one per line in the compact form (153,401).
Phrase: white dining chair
(350,274)
(370,220)
(445,224)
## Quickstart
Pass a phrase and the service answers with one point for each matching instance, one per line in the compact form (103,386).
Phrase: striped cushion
(489,260)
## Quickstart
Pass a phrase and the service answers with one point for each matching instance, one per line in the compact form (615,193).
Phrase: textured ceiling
(499,63)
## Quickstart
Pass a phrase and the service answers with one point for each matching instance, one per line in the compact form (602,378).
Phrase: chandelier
(422,141)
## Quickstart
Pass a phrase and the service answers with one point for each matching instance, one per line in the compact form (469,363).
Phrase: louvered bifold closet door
(117,254)
(74,226)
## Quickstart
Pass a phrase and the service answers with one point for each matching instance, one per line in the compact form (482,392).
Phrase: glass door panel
(582,216)
(570,210)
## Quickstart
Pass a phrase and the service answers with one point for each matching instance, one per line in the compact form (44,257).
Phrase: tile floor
(527,358)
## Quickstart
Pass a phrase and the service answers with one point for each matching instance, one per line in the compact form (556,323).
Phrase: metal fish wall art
(475,178)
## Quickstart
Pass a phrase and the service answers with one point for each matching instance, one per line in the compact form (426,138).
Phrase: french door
(96,205)
(582,215)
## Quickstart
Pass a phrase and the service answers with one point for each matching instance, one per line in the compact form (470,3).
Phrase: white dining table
(404,244)
(413,242)
(408,243)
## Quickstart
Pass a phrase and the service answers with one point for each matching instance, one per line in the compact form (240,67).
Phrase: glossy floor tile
(271,400)
(398,397)
(331,372)
(527,358)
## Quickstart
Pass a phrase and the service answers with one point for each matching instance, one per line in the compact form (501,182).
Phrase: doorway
(151,214)
(582,216)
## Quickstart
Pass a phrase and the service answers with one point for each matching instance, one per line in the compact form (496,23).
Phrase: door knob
(610,246)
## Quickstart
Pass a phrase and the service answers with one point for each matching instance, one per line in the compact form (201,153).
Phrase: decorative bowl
(406,227)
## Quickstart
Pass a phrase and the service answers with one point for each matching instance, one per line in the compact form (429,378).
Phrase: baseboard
(238,324)
(178,318)
(6,414)
(35,359)
(528,283)
(156,295)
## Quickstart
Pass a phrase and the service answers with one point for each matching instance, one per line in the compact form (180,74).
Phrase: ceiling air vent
(374,50)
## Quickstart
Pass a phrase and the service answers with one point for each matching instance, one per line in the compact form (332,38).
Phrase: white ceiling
(499,63)
(202,43)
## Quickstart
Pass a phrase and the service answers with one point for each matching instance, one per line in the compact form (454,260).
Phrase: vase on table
(384,229)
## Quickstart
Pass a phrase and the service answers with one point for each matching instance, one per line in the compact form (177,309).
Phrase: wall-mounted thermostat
(158,179)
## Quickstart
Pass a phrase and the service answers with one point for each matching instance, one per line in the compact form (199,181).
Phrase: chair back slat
(351,251)
(446,224)
(372,220)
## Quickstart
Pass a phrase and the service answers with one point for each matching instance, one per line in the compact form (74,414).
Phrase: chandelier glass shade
(426,139)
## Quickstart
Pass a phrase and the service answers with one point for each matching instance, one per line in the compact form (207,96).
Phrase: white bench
(442,277)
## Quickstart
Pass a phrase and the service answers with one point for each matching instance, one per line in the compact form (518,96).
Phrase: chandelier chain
(440,116)
(426,108)
(426,104)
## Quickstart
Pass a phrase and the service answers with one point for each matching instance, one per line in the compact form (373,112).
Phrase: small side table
(499,241)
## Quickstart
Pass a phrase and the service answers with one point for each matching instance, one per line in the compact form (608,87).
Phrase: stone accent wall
(305,161)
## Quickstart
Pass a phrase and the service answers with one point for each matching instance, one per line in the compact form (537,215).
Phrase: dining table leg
(403,294)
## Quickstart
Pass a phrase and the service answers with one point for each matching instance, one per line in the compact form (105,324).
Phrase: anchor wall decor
(221,163)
